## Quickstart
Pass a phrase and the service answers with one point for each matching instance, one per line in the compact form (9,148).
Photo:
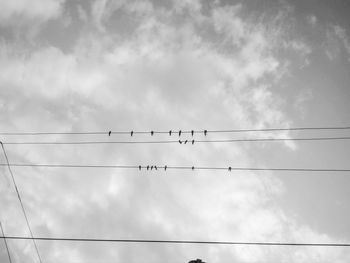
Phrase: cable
(178,241)
(175,131)
(20,200)
(166,167)
(7,248)
(178,141)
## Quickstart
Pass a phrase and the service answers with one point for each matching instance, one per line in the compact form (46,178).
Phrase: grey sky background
(70,66)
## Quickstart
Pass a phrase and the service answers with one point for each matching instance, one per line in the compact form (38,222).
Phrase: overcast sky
(101,65)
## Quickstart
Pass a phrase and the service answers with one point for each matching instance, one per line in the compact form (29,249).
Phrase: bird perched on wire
(180,141)
(179,133)
(186,141)
(109,133)
(132,133)
(170,133)
(165,167)
(229,169)
(147,167)
(192,168)
(205,132)
(152,132)
(155,167)
(192,132)
(192,142)
(140,167)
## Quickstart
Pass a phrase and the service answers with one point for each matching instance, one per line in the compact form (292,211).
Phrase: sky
(114,65)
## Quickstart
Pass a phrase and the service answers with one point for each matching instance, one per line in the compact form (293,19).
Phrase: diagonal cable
(7,248)
(20,200)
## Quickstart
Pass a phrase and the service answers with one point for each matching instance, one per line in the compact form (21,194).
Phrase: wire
(175,131)
(178,141)
(166,167)
(7,248)
(20,200)
(178,241)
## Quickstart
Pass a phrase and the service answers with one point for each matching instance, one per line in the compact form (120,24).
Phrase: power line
(20,200)
(166,167)
(177,141)
(175,131)
(178,241)
(7,248)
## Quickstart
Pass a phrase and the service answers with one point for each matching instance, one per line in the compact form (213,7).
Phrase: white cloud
(19,11)
(341,33)
(312,20)
(301,101)
(337,41)
(156,78)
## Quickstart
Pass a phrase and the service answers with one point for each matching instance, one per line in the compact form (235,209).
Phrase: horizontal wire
(177,241)
(140,167)
(176,131)
(178,141)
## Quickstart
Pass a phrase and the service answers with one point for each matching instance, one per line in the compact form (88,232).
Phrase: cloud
(167,73)
(312,20)
(337,41)
(341,34)
(21,11)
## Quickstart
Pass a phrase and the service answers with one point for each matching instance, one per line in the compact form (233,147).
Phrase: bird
(192,168)
(152,132)
(131,133)
(230,169)
(151,167)
(109,133)
(147,167)
(192,142)
(165,167)
(155,167)
(179,133)
(170,133)
(140,167)
(192,132)
(205,132)
(180,141)
(185,141)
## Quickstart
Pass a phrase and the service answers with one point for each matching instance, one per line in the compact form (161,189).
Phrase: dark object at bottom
(196,261)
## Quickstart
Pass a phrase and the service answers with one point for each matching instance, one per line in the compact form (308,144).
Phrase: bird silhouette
(109,133)
(165,167)
(179,133)
(205,132)
(140,167)
(230,169)
(155,167)
(152,132)
(147,167)
(192,132)
(180,141)
(192,142)
(170,133)
(132,133)
(192,168)
(151,167)
(186,141)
